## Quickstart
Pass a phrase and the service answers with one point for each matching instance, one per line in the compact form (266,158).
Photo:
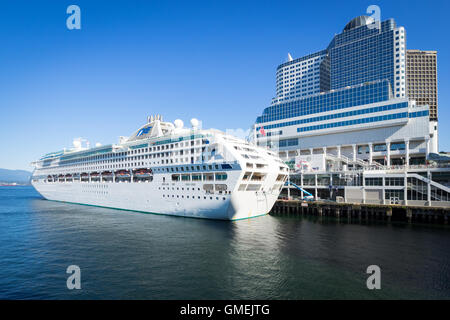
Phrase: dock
(363,212)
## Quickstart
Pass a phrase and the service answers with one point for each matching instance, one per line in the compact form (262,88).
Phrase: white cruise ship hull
(166,169)
(146,197)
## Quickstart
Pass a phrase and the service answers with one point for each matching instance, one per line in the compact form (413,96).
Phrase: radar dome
(77,143)
(98,144)
(178,123)
(194,123)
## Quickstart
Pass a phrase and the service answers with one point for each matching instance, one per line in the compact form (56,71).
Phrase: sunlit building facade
(349,127)
(349,99)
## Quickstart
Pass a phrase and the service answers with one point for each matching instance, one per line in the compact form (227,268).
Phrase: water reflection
(144,256)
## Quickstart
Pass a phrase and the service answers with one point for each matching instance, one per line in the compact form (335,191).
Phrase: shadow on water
(133,255)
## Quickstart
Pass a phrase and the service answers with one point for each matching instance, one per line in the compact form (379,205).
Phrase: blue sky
(213,60)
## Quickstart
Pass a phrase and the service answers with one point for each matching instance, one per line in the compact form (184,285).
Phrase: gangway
(309,197)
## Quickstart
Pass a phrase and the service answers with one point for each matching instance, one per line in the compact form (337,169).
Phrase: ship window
(221,187)
(253,187)
(221,176)
(208,177)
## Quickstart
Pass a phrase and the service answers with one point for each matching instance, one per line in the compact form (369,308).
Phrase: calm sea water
(127,255)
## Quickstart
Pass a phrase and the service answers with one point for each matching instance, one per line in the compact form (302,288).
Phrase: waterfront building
(421,74)
(349,109)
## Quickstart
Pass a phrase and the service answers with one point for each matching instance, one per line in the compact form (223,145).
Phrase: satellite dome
(194,123)
(178,123)
(358,22)
(77,143)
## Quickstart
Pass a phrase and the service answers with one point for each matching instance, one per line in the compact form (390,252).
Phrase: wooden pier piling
(363,212)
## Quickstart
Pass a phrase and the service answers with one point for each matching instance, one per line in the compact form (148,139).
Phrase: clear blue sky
(213,60)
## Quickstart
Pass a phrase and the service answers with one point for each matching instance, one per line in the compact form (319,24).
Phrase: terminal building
(342,118)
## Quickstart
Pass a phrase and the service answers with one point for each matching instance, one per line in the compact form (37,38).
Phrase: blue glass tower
(363,64)
(363,52)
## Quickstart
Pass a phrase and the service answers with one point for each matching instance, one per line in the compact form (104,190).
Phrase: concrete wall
(417,202)
(374,196)
(354,195)
(445,204)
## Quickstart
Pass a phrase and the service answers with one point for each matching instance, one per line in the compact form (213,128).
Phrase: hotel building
(346,109)
(421,75)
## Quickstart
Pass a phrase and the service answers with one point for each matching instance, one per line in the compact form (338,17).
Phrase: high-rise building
(421,74)
(352,97)
(344,117)
(300,77)
(367,51)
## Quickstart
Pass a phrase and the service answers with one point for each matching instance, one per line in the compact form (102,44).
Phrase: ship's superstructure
(167,169)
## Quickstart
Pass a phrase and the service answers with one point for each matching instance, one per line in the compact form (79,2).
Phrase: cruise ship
(166,168)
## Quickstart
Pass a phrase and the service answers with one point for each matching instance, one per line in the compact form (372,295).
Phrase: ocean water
(129,255)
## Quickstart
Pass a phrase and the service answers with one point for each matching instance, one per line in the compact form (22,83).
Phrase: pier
(363,212)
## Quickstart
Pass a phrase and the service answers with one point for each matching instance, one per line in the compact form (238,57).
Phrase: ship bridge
(155,127)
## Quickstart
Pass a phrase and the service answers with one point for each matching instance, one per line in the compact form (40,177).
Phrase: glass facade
(416,114)
(299,77)
(362,54)
(353,122)
(333,100)
(288,143)
(394,106)
(357,68)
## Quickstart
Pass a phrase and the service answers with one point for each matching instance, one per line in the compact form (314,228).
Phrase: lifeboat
(84,174)
(106,173)
(122,173)
(95,176)
(142,172)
